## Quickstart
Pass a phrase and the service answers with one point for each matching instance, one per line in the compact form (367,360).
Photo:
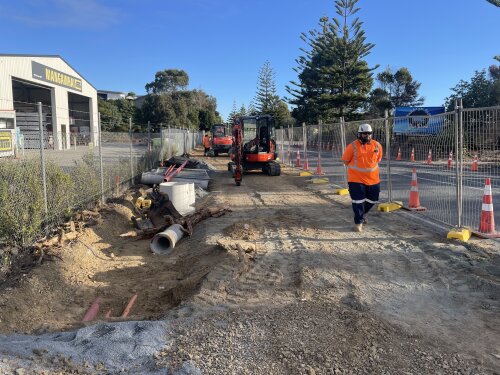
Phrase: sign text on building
(44,73)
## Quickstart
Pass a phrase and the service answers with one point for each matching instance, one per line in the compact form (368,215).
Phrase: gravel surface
(281,285)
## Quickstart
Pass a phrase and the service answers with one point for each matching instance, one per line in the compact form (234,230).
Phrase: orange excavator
(253,147)
(221,142)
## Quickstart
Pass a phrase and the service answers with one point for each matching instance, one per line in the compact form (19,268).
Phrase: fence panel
(331,155)
(432,153)
(74,179)
(280,144)
(427,154)
(70,169)
(313,146)
(481,156)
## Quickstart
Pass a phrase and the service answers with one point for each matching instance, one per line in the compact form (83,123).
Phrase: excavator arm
(238,152)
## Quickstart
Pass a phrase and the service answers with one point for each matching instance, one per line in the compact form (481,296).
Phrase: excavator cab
(254,147)
(221,141)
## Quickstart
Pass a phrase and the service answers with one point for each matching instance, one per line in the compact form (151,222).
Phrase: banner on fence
(418,120)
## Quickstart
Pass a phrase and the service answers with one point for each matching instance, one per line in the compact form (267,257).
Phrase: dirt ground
(280,285)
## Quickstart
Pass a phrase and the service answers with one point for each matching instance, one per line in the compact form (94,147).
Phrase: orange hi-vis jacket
(206,141)
(362,162)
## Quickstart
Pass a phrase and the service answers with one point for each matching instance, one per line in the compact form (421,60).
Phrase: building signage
(6,141)
(44,73)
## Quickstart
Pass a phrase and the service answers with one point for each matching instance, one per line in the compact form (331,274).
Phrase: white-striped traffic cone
(429,157)
(297,161)
(414,202)
(474,166)
(450,159)
(399,154)
(487,223)
(306,161)
(319,171)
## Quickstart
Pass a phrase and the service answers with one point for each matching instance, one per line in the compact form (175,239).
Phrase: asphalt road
(111,153)
(436,185)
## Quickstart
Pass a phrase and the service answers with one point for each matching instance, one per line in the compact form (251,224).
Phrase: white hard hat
(363,128)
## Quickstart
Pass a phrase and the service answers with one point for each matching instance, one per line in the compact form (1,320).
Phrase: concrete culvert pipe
(164,242)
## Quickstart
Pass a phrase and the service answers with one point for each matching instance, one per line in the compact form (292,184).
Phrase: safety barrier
(56,171)
(452,160)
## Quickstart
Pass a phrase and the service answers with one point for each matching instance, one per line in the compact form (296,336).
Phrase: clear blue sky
(119,45)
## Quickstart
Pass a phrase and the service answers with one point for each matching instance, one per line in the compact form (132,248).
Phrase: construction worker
(206,143)
(361,158)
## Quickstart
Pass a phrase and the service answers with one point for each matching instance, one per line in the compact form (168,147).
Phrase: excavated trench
(97,266)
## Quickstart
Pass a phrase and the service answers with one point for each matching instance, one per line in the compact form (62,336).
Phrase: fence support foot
(389,206)
(462,234)
(320,181)
(341,191)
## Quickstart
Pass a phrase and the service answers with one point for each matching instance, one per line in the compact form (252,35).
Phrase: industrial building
(69,103)
(112,95)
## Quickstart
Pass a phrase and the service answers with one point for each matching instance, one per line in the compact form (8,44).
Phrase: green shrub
(22,215)
(23,219)
(61,193)
(86,179)
(21,200)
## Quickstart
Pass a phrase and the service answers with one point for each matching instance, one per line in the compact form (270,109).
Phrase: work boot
(358,227)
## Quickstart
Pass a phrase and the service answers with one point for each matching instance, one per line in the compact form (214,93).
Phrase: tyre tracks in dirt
(305,250)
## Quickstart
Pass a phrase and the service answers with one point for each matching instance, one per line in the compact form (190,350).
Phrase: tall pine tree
(266,101)
(242,111)
(266,98)
(334,78)
(233,114)
(251,111)
(306,92)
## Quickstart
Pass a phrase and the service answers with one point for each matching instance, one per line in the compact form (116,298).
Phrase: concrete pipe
(155,176)
(164,242)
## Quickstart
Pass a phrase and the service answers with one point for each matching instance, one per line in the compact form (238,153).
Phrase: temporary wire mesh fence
(427,154)
(50,174)
(79,166)
(452,154)
(333,146)
(481,160)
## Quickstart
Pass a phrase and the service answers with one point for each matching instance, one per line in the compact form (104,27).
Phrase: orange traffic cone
(297,161)
(319,171)
(414,203)
(399,154)
(412,155)
(474,166)
(450,159)
(487,224)
(429,157)
(306,162)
